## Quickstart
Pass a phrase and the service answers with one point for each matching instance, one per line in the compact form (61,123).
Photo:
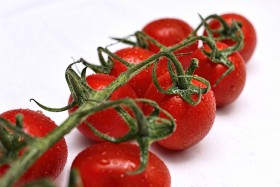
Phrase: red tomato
(250,36)
(107,164)
(192,122)
(52,162)
(107,121)
(135,55)
(169,32)
(231,86)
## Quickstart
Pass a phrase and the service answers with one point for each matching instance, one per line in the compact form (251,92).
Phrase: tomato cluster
(192,122)
(178,86)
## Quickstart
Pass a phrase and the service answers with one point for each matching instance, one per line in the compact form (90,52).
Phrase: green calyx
(12,140)
(182,83)
(75,178)
(232,32)
(144,129)
(80,90)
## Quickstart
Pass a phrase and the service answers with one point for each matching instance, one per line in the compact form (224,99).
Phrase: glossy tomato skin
(193,123)
(107,121)
(52,162)
(107,164)
(169,32)
(250,36)
(231,86)
(136,55)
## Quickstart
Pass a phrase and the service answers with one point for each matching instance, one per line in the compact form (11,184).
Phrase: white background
(38,39)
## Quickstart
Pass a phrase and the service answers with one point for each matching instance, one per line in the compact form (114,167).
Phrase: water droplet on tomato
(103,153)
(104,162)
(145,175)
(39,111)
(122,175)
(232,88)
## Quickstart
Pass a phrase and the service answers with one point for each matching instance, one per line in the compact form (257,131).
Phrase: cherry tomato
(135,55)
(107,164)
(169,32)
(107,121)
(192,122)
(231,86)
(250,36)
(52,162)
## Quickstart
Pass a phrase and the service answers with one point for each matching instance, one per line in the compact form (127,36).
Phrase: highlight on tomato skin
(193,123)
(107,121)
(53,161)
(230,87)
(107,165)
(249,32)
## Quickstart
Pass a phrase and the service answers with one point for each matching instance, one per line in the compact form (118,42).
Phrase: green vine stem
(40,183)
(74,179)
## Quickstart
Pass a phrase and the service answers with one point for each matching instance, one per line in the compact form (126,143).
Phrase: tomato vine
(144,129)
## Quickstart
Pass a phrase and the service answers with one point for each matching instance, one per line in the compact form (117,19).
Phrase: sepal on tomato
(232,32)
(12,140)
(187,89)
(144,129)
(80,90)
(75,179)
